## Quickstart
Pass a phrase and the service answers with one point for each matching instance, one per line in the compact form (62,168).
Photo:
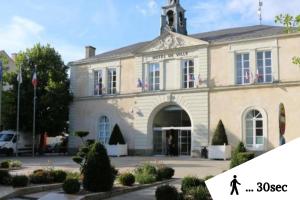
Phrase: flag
(199,80)
(0,70)
(191,77)
(34,78)
(19,77)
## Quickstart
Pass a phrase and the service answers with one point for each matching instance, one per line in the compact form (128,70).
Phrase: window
(154,77)
(112,81)
(242,69)
(98,83)
(254,127)
(104,130)
(188,74)
(264,67)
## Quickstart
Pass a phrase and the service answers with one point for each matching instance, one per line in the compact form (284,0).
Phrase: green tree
(53,93)
(116,136)
(291,24)
(220,137)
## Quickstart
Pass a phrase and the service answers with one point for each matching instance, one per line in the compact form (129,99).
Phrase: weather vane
(260,5)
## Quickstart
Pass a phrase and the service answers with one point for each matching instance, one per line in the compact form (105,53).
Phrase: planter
(219,152)
(117,150)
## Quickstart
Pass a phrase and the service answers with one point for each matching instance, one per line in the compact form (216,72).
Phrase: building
(184,84)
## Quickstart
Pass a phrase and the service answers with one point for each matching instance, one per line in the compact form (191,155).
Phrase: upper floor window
(112,81)
(104,130)
(154,77)
(242,68)
(264,67)
(188,74)
(98,83)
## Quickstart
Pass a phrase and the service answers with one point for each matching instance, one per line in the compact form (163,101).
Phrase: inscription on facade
(172,55)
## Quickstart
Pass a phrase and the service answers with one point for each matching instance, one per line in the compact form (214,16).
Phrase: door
(184,142)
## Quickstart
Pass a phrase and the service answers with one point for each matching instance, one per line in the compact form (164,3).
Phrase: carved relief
(169,42)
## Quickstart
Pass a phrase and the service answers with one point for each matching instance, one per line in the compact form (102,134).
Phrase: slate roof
(225,35)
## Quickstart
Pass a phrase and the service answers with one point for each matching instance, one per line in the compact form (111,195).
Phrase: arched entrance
(172,121)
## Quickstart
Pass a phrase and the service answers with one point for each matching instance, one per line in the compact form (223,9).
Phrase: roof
(224,35)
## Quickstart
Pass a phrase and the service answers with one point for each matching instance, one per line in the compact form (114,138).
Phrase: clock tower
(173,18)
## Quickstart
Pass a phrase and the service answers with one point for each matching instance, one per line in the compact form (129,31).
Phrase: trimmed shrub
(208,177)
(15,164)
(165,173)
(71,186)
(199,193)
(20,181)
(234,159)
(115,172)
(59,176)
(189,182)
(81,134)
(146,174)
(220,137)
(126,179)
(116,136)
(73,175)
(41,177)
(166,192)
(5,164)
(5,177)
(244,157)
(97,172)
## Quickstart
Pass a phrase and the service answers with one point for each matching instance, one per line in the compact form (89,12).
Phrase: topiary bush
(166,192)
(97,172)
(208,177)
(126,179)
(115,172)
(146,174)
(59,176)
(116,136)
(189,182)
(20,181)
(15,164)
(5,164)
(41,177)
(199,193)
(5,177)
(234,159)
(220,137)
(71,186)
(244,157)
(165,173)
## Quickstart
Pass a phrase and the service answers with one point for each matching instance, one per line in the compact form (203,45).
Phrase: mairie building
(183,84)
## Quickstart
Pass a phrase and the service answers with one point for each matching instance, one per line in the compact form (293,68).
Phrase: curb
(119,191)
(31,189)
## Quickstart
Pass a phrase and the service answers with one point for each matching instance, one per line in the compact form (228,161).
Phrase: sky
(70,25)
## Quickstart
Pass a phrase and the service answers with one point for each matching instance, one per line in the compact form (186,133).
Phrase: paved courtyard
(183,165)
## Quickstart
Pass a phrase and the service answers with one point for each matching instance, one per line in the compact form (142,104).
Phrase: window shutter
(118,73)
(90,91)
(161,76)
(105,80)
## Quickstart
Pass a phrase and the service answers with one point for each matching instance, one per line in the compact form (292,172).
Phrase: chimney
(14,56)
(90,51)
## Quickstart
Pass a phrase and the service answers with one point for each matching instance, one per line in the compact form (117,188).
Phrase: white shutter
(161,76)
(90,90)
(146,75)
(197,71)
(118,73)
(105,80)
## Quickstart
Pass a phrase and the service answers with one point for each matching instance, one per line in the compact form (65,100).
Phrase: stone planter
(219,152)
(117,150)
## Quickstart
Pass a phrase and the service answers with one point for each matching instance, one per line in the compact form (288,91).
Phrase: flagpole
(18,109)
(34,107)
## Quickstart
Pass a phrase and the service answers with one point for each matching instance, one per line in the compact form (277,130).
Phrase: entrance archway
(172,122)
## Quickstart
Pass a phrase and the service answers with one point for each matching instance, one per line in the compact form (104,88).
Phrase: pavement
(183,166)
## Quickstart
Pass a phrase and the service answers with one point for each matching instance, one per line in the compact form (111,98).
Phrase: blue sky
(69,25)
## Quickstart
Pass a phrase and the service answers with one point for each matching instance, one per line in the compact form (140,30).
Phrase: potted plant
(219,148)
(116,145)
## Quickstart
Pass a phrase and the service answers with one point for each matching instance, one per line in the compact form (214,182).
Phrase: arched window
(254,130)
(170,18)
(104,129)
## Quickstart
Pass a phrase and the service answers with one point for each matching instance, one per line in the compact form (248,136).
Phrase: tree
(220,137)
(291,24)
(53,93)
(116,136)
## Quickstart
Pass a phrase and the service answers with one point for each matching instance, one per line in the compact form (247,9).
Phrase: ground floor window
(104,130)
(254,128)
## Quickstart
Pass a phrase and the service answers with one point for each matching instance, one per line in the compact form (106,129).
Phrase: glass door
(159,142)
(184,142)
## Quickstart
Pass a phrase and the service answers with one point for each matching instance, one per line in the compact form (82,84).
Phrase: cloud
(148,9)
(21,33)
(215,14)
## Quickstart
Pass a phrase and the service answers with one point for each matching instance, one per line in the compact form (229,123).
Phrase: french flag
(34,78)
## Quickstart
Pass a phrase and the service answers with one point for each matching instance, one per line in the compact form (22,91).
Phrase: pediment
(170,40)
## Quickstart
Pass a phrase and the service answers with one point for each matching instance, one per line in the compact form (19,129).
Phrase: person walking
(233,184)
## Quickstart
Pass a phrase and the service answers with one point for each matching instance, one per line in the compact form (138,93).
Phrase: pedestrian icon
(233,184)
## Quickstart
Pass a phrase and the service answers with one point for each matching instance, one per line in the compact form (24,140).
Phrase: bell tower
(173,18)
